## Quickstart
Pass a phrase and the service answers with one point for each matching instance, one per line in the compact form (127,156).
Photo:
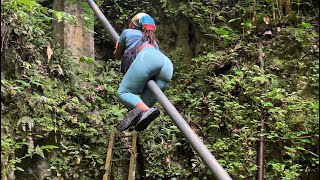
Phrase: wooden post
(286,6)
(107,166)
(133,156)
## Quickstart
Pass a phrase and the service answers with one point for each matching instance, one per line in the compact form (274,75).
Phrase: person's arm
(118,53)
(120,45)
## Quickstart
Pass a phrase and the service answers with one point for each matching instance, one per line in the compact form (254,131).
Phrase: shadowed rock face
(179,38)
(36,168)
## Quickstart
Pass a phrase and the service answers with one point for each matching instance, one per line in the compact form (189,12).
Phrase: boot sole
(131,119)
(145,123)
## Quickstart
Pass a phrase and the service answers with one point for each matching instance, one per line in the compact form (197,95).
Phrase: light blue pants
(150,63)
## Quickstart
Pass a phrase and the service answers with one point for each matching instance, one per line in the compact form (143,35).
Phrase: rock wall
(179,38)
(73,37)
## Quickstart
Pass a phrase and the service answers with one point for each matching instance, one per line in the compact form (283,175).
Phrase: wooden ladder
(132,149)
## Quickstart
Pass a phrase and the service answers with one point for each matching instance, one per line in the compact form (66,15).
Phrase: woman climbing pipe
(141,61)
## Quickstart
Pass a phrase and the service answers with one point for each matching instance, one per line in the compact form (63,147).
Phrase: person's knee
(166,72)
(120,93)
(162,84)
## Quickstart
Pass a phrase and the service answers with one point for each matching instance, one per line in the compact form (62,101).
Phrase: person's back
(132,36)
(149,63)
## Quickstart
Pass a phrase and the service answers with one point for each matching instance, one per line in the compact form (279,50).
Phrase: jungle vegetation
(250,61)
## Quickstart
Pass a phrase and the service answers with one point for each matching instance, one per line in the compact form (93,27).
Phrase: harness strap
(130,55)
(143,46)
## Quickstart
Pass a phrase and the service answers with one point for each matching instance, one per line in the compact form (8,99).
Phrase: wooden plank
(107,166)
(133,156)
(121,147)
(120,159)
(122,136)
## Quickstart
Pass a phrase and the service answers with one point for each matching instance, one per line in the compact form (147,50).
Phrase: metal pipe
(186,130)
(114,35)
(260,173)
(214,166)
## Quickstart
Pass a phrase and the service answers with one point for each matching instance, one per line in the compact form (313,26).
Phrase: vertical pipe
(260,173)
(213,165)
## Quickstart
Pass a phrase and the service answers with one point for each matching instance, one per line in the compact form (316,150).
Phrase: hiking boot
(147,117)
(130,119)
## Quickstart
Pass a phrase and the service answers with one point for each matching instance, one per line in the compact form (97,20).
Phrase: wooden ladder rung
(132,149)
(120,159)
(122,136)
(121,147)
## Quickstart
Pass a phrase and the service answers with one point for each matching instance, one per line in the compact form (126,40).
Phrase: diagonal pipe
(206,156)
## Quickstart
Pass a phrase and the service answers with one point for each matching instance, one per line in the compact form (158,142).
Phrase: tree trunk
(286,6)
(254,2)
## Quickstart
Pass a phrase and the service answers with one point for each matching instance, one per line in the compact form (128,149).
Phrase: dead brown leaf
(78,160)
(267,33)
(261,56)
(238,46)
(168,162)
(49,52)
(266,19)
(205,100)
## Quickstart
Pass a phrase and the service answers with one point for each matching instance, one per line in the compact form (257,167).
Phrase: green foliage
(223,93)
(228,104)
(88,16)
(232,108)
(52,100)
